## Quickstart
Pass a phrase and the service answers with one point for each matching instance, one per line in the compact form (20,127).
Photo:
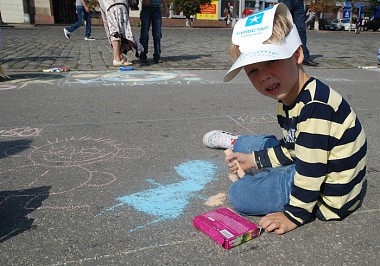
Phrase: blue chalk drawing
(167,202)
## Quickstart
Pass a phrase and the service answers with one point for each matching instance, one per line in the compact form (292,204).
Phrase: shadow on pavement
(29,77)
(12,147)
(184,57)
(15,206)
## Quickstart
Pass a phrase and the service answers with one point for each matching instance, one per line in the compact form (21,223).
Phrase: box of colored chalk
(226,227)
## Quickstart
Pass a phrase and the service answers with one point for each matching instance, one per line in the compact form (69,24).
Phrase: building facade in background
(63,11)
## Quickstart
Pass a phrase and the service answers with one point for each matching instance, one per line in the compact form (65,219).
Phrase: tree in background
(93,4)
(189,7)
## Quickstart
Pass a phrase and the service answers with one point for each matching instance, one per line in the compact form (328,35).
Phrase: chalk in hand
(240,171)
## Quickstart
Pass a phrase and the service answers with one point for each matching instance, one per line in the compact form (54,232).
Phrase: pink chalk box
(226,227)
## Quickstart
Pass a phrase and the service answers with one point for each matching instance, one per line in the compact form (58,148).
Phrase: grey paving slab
(40,47)
(74,144)
(90,159)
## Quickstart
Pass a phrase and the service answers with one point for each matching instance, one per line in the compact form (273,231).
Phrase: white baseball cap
(251,32)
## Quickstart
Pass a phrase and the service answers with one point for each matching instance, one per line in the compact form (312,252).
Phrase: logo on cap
(254,20)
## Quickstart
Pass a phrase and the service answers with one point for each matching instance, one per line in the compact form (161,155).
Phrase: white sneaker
(218,139)
(67,33)
(89,38)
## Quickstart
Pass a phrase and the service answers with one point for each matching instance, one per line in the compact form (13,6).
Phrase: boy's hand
(277,222)
(246,161)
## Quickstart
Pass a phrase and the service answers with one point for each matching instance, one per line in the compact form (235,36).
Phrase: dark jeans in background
(82,16)
(150,15)
(297,9)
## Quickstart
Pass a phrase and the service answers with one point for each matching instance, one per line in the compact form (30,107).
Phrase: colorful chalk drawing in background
(167,202)
(20,81)
(64,165)
(130,78)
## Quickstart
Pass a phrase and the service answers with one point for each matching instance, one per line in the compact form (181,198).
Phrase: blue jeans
(151,15)
(297,9)
(82,15)
(268,190)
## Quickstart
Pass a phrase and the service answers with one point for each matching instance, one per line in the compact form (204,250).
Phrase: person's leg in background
(299,17)
(297,9)
(87,34)
(144,31)
(157,33)
(117,56)
(80,13)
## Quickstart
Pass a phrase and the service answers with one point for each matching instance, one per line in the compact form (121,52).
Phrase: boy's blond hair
(281,28)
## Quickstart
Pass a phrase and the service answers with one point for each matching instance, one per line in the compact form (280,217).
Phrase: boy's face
(280,79)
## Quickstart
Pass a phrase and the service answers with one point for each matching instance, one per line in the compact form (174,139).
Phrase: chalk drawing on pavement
(130,78)
(4,87)
(216,200)
(67,165)
(23,80)
(20,132)
(257,118)
(167,202)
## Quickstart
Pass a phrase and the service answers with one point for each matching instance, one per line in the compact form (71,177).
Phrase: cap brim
(266,52)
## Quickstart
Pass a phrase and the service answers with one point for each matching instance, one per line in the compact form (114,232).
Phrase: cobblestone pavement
(42,47)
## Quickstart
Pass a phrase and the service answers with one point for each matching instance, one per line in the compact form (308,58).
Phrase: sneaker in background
(143,58)
(309,63)
(67,33)
(218,139)
(158,60)
(89,38)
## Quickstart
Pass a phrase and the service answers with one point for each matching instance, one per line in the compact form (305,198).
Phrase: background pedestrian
(151,14)
(297,9)
(84,15)
(115,15)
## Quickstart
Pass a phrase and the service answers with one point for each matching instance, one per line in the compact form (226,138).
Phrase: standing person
(115,15)
(317,169)
(151,13)
(83,16)
(363,23)
(358,25)
(297,9)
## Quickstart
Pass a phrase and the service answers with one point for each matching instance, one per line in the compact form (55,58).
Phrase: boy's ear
(299,55)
